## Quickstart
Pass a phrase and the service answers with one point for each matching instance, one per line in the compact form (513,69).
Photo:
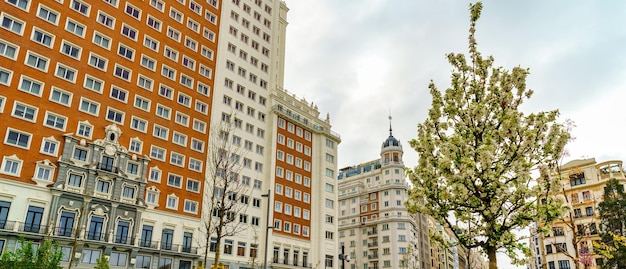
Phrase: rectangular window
(163,112)
(129,32)
(97,61)
(21,4)
(93,84)
(66,73)
(11,166)
(37,61)
(126,52)
(144,82)
(75,28)
(89,106)
(17,138)
(101,40)
(154,23)
(174,180)
(148,62)
(80,7)
(105,19)
(115,115)
(42,37)
(55,121)
(24,111)
(12,24)
(122,72)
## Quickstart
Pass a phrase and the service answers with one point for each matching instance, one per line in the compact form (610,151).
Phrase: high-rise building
(582,189)
(108,109)
(375,228)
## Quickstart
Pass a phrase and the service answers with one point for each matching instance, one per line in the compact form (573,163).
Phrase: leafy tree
(47,256)
(612,213)
(102,263)
(477,151)
(223,188)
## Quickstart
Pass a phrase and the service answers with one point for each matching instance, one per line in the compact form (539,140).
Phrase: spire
(390,129)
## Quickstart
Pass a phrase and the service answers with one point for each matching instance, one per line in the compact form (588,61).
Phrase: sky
(363,60)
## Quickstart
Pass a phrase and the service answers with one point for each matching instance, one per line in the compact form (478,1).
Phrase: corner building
(582,189)
(105,108)
(375,228)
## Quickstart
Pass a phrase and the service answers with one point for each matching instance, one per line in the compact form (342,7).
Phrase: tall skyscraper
(108,108)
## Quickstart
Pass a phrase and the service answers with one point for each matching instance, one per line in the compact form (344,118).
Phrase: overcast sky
(360,60)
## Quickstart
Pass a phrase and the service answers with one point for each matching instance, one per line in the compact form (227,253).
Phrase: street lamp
(267,227)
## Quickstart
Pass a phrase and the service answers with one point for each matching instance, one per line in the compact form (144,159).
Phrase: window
(195,165)
(75,28)
(173,34)
(12,24)
(122,72)
(118,94)
(75,180)
(115,116)
(93,84)
(80,7)
(191,206)
(129,32)
(168,72)
(90,256)
(17,138)
(37,61)
(42,37)
(84,129)
(65,73)
(11,165)
(8,50)
(49,146)
(174,180)
(80,154)
(132,11)
(144,82)
(89,106)
(118,259)
(135,146)
(166,92)
(22,4)
(172,202)
(148,62)
(97,61)
(105,19)
(126,52)
(101,40)
(24,111)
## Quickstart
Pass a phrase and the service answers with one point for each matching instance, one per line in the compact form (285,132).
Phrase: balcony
(290,263)
(32,228)
(149,244)
(372,245)
(108,168)
(124,240)
(372,232)
(373,256)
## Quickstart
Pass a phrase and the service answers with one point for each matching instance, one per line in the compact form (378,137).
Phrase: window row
(292,128)
(291,176)
(291,210)
(293,228)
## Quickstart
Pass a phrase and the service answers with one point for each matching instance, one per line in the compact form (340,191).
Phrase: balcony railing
(374,256)
(108,167)
(373,244)
(32,228)
(291,262)
(148,244)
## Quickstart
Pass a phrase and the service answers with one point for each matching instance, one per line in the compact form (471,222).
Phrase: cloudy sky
(360,60)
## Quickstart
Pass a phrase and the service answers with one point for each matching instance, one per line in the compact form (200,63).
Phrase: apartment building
(291,158)
(375,227)
(583,183)
(106,109)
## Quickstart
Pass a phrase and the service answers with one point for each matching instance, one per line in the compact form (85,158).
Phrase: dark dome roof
(391,141)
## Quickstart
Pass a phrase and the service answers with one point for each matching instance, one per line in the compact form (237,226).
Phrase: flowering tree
(477,151)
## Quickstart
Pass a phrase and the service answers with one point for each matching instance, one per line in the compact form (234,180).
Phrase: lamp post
(267,227)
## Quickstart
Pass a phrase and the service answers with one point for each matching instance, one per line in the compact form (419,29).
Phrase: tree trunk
(491,255)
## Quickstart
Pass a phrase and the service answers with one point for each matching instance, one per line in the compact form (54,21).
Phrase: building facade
(108,110)
(583,183)
(106,107)
(375,227)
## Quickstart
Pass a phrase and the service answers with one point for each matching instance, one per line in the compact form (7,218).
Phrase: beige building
(374,226)
(583,184)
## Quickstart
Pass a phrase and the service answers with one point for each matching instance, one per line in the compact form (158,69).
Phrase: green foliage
(477,151)
(612,212)
(102,263)
(47,256)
